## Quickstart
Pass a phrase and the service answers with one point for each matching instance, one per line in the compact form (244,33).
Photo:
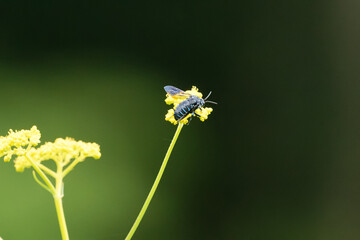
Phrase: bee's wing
(174,91)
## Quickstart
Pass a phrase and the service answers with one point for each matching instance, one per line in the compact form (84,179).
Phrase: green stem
(61,217)
(58,202)
(156,183)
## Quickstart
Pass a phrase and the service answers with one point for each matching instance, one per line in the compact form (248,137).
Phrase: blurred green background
(277,159)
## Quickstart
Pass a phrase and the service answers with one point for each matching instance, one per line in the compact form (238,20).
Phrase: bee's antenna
(207,96)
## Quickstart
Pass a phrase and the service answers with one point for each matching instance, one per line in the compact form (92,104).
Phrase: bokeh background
(277,159)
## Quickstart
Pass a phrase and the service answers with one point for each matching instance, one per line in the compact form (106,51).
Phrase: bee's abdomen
(184,108)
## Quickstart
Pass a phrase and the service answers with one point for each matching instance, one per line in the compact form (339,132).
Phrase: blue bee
(189,105)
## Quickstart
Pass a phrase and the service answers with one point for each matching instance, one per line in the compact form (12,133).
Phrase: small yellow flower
(21,163)
(177,99)
(15,140)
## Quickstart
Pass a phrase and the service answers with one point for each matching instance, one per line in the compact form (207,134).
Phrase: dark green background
(278,158)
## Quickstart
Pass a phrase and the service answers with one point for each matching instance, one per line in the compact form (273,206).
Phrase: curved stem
(40,183)
(41,174)
(156,183)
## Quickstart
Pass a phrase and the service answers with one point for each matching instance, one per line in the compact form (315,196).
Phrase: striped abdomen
(187,106)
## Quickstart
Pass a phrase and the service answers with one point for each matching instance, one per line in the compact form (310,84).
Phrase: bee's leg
(190,118)
(196,114)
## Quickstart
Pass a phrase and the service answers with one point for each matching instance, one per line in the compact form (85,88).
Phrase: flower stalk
(61,217)
(155,184)
(58,201)
(174,96)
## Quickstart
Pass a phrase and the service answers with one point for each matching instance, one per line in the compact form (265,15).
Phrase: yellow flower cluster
(62,151)
(14,142)
(177,99)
